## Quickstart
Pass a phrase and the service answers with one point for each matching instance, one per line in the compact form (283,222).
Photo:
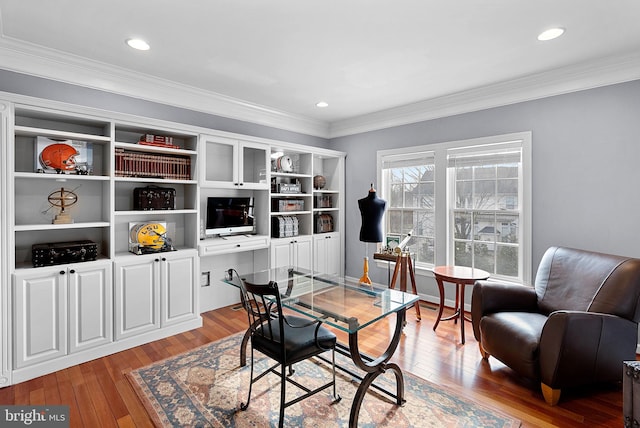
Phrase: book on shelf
(151,138)
(151,165)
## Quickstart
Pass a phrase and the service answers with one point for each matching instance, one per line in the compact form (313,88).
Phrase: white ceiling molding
(46,63)
(607,71)
(55,65)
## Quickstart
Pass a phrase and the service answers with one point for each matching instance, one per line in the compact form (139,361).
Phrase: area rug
(205,386)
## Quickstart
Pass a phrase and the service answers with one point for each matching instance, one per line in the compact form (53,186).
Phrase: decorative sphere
(319,182)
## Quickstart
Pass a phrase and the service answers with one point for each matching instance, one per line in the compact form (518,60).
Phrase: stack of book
(157,141)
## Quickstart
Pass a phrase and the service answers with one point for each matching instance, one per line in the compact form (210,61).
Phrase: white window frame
(444,231)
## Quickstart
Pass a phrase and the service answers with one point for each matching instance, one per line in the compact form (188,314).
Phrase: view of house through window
(409,187)
(462,203)
(485,208)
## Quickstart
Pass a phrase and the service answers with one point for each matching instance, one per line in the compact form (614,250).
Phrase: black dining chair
(284,338)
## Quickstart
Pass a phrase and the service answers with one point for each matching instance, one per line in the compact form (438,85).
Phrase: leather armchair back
(578,280)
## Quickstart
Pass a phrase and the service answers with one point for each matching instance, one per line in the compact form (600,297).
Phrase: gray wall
(586,169)
(43,88)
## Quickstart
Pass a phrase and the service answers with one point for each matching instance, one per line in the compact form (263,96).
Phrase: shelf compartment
(25,239)
(185,198)
(31,195)
(181,227)
(152,166)
(27,155)
(129,134)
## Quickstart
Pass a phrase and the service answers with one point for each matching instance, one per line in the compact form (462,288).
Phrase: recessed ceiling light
(322,104)
(550,34)
(139,44)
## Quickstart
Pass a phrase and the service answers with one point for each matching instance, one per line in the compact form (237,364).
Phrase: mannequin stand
(364,279)
(404,266)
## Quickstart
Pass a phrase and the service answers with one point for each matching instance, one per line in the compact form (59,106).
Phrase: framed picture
(393,241)
(55,156)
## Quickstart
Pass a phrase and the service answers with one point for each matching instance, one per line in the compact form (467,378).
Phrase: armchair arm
(585,347)
(489,297)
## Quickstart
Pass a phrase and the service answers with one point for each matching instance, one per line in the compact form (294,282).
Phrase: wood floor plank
(98,393)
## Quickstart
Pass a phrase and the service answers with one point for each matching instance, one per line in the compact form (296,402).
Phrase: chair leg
(551,396)
(244,406)
(485,354)
(283,382)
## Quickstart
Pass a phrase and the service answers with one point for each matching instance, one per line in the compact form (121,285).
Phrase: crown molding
(55,65)
(587,75)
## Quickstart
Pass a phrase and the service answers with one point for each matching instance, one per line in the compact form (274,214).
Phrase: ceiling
(376,62)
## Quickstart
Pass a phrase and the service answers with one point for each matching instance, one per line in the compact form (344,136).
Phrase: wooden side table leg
(412,276)
(461,309)
(441,290)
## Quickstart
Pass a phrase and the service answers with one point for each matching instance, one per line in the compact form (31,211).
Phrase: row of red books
(136,164)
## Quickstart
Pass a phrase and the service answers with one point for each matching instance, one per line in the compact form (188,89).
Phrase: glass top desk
(347,306)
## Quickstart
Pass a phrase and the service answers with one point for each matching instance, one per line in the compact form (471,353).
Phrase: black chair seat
(300,343)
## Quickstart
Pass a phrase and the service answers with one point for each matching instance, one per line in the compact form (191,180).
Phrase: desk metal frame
(373,367)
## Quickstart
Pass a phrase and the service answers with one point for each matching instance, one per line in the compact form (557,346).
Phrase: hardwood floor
(99,395)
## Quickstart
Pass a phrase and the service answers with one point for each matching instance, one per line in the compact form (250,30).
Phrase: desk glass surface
(341,303)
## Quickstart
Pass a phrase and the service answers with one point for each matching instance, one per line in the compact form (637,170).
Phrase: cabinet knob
(238,245)
(164,259)
(72,271)
(62,272)
(156,260)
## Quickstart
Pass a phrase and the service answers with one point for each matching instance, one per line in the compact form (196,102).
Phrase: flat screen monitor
(229,215)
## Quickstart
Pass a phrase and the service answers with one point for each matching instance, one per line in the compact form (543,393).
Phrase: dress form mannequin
(371,210)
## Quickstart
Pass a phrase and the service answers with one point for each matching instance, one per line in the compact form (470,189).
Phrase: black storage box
(59,253)
(154,198)
(631,393)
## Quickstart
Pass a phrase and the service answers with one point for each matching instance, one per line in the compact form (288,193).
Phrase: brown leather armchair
(575,326)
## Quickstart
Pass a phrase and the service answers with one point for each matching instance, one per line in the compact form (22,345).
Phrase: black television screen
(229,215)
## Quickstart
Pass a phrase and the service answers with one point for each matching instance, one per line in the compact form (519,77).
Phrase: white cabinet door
(326,253)
(90,305)
(178,285)
(137,295)
(228,163)
(291,252)
(281,253)
(39,315)
(302,252)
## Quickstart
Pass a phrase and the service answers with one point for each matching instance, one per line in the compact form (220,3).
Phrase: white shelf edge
(286,213)
(280,195)
(325,209)
(289,174)
(82,225)
(326,191)
(57,177)
(154,149)
(154,180)
(153,212)
(44,132)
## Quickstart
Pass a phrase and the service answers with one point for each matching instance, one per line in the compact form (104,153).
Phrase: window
(465,203)
(409,187)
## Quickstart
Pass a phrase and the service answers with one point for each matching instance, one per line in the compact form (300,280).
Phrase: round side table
(460,276)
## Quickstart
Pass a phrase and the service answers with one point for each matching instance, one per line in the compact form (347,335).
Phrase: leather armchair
(575,326)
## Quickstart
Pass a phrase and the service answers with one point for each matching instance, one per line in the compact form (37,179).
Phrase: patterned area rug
(204,388)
